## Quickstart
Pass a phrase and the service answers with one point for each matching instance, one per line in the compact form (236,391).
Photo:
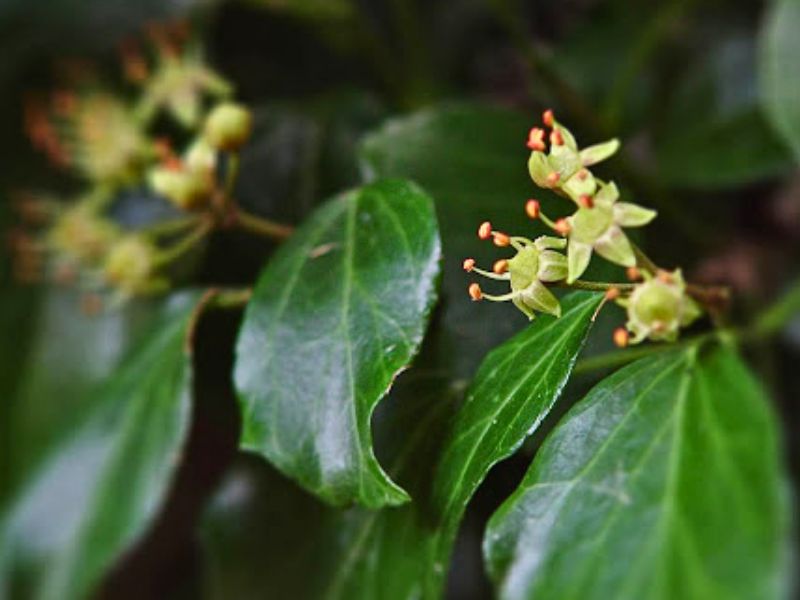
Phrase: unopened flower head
(658,307)
(228,126)
(82,236)
(130,267)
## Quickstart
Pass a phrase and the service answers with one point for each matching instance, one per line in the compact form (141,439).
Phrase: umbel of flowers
(658,304)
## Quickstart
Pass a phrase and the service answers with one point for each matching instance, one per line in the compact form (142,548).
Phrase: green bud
(659,307)
(228,127)
(186,189)
(130,266)
(201,158)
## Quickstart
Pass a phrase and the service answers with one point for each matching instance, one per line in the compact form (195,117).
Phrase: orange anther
(553,178)
(633,274)
(612,293)
(548,118)
(469,263)
(532,208)
(501,239)
(536,139)
(556,138)
(500,267)
(664,276)
(485,230)
(621,337)
(586,201)
(583,174)
(562,227)
(475,292)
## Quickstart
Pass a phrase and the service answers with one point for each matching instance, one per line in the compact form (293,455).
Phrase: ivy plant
(258,348)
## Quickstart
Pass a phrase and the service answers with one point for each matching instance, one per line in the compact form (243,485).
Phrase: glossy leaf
(664,482)
(514,389)
(337,313)
(100,487)
(472,160)
(780,70)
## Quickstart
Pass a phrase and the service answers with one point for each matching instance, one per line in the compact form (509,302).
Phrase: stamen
(491,274)
(621,337)
(502,298)
(501,240)
(532,208)
(583,174)
(562,227)
(475,292)
(469,264)
(500,266)
(585,200)
(552,178)
(556,138)
(536,139)
(664,277)
(633,274)
(485,230)
(612,293)
(548,118)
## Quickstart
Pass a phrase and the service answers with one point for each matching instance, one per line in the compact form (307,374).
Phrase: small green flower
(659,307)
(536,263)
(82,236)
(130,267)
(564,168)
(597,226)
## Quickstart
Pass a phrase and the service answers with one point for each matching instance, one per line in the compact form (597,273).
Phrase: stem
(259,226)
(171,254)
(231,174)
(643,260)
(171,227)
(232,299)
(596,286)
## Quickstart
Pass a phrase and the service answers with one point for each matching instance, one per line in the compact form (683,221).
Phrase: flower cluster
(113,144)
(658,306)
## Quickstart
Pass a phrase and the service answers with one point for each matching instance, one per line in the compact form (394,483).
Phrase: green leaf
(101,486)
(472,160)
(400,552)
(664,482)
(715,134)
(780,70)
(65,355)
(337,313)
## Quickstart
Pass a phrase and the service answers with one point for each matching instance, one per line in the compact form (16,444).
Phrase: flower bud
(130,264)
(228,127)
(187,190)
(82,235)
(659,307)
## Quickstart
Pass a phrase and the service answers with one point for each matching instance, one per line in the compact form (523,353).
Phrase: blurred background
(687,85)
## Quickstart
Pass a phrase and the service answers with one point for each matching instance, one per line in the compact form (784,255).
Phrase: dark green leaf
(101,486)
(472,160)
(337,313)
(715,134)
(780,70)
(664,482)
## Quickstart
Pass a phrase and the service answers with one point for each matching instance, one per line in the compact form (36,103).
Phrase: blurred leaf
(310,9)
(670,466)
(336,314)
(66,356)
(103,482)
(780,70)
(472,161)
(715,135)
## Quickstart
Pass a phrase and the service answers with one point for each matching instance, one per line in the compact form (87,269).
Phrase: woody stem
(596,286)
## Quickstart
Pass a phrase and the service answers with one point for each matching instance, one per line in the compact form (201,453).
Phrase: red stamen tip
(556,138)
(586,201)
(501,266)
(501,240)
(548,118)
(553,178)
(485,230)
(536,139)
(612,293)
(633,274)
(621,337)
(468,265)
(562,227)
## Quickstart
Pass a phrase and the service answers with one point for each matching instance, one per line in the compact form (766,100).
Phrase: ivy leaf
(339,311)
(780,84)
(664,482)
(101,486)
